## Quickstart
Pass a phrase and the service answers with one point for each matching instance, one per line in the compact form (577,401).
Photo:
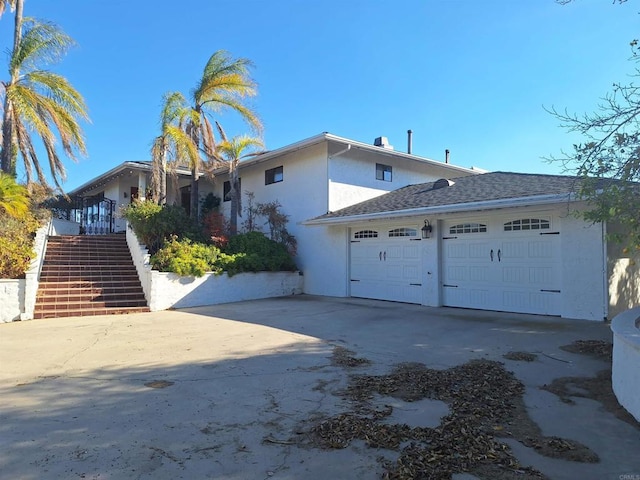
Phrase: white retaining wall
(169,290)
(18,297)
(64,227)
(11,299)
(625,376)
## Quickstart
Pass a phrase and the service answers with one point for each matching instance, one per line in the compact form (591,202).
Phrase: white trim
(352,144)
(461,207)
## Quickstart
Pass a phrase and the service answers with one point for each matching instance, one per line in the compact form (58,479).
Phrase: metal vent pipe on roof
(446,156)
(409,141)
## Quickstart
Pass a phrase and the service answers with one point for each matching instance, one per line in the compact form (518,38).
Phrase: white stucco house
(360,212)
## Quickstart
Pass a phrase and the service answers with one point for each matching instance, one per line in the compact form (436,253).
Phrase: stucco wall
(11,299)
(64,227)
(169,290)
(623,274)
(625,375)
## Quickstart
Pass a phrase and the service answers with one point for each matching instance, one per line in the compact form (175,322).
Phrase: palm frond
(41,43)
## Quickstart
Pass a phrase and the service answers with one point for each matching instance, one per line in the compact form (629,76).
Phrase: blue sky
(471,76)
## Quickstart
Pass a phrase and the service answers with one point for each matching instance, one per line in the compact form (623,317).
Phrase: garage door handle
(380,255)
(491,254)
(498,255)
(384,255)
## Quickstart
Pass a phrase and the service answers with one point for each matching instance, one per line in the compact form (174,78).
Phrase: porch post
(142,186)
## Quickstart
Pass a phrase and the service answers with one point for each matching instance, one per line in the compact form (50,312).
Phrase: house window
(403,232)
(273,175)
(468,228)
(366,234)
(527,224)
(226,189)
(383,172)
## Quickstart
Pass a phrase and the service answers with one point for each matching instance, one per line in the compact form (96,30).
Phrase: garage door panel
(541,276)
(387,267)
(456,273)
(515,275)
(478,274)
(506,266)
(479,251)
(411,273)
(541,249)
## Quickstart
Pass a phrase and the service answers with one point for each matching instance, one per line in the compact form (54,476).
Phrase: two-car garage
(505,263)
(501,241)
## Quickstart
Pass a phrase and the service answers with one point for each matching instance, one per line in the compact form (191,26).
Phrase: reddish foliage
(216,227)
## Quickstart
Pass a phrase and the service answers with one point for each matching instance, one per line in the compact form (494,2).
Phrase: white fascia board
(328,137)
(396,153)
(268,155)
(444,209)
(116,171)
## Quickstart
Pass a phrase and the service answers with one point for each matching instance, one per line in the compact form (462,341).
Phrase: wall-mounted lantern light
(426,230)
(124,194)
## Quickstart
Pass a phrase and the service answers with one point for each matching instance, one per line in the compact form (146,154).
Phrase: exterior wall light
(426,230)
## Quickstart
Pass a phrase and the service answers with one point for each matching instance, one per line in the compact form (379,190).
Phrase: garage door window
(403,232)
(527,224)
(468,228)
(366,234)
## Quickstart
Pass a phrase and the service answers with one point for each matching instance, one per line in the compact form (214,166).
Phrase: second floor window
(226,189)
(383,172)
(273,175)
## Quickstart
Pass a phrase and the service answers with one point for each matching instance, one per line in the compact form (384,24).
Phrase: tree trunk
(194,194)
(9,153)
(163,178)
(233,216)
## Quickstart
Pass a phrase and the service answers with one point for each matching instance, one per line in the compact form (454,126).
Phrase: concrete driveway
(232,391)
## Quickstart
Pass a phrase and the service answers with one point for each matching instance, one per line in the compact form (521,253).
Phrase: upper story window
(403,232)
(383,172)
(226,189)
(468,228)
(273,175)
(366,234)
(527,224)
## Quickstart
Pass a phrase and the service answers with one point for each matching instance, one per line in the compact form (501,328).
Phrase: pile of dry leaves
(485,402)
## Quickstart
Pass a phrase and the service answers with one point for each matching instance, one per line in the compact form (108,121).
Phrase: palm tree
(225,84)
(14,199)
(173,144)
(37,100)
(232,151)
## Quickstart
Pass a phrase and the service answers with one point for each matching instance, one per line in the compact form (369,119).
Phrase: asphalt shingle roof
(474,188)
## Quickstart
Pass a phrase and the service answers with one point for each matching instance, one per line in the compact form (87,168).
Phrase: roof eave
(538,200)
(324,137)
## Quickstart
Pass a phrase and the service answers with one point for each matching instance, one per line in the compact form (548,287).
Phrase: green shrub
(153,224)
(251,252)
(16,245)
(186,258)
(260,253)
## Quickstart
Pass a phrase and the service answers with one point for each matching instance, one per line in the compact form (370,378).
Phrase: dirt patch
(596,388)
(520,356)
(158,384)
(486,404)
(594,348)
(343,357)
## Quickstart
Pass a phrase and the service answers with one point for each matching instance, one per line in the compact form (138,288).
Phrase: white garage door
(386,264)
(508,264)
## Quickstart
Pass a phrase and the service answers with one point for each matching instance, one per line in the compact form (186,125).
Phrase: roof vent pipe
(446,156)
(409,140)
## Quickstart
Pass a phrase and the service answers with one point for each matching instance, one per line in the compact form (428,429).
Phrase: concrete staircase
(88,275)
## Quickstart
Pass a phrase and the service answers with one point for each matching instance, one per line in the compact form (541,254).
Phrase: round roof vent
(441,183)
